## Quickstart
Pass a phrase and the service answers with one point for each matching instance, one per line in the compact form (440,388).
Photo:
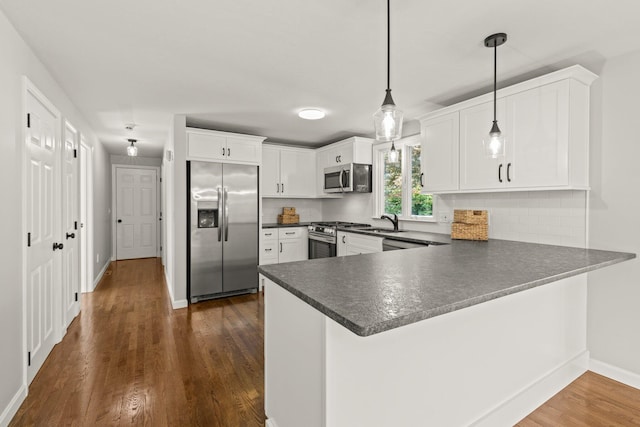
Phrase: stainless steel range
(323,237)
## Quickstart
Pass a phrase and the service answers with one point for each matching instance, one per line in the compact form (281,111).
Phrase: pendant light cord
(388,44)
(495,78)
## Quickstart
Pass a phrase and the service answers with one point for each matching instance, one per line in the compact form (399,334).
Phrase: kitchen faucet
(393,220)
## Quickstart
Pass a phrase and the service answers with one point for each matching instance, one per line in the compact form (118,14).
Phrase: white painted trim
(175,304)
(629,378)
(99,278)
(114,190)
(87,199)
(13,406)
(525,401)
(270,423)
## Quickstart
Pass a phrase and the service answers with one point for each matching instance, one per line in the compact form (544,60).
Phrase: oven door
(337,179)
(320,247)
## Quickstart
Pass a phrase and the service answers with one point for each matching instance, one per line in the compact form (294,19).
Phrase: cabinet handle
(268,234)
(277,187)
(508,172)
(229,152)
(223,151)
(340,158)
(282,187)
(500,172)
(421,176)
(289,234)
(268,250)
(344,239)
(280,247)
(336,159)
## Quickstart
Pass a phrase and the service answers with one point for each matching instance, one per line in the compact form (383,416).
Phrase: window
(398,185)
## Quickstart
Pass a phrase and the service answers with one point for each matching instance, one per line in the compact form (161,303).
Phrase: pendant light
(494,144)
(388,119)
(132,150)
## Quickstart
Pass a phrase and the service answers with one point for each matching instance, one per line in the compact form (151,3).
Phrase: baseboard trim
(13,406)
(618,374)
(525,401)
(270,423)
(99,278)
(175,304)
(181,303)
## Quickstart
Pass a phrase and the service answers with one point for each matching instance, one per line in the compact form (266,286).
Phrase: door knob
(119,220)
(71,235)
(57,246)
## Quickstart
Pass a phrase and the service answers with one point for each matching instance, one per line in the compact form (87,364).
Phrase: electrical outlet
(444,217)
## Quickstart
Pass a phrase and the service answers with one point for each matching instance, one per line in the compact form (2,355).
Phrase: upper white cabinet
(288,172)
(351,150)
(439,155)
(545,122)
(209,145)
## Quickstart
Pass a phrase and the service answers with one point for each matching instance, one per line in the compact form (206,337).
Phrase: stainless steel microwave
(349,178)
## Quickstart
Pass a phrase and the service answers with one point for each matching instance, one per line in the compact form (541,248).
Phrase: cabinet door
(440,153)
(270,172)
(298,173)
(538,122)
(243,150)
(269,246)
(344,153)
(478,171)
(341,247)
(202,146)
(360,244)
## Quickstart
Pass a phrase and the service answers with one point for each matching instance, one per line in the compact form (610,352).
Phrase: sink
(380,230)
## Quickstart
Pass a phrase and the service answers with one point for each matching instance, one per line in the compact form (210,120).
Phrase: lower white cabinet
(356,244)
(284,244)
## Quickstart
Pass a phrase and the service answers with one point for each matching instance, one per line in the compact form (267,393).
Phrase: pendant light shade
(393,154)
(388,119)
(132,150)
(494,143)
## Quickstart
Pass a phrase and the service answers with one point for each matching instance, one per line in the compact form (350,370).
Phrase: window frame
(379,151)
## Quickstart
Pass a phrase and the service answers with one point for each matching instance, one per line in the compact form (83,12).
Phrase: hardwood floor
(591,400)
(130,359)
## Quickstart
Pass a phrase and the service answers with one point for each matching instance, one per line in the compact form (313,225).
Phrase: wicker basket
(288,211)
(469,231)
(470,217)
(288,219)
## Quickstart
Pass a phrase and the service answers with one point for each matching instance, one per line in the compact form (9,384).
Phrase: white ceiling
(249,65)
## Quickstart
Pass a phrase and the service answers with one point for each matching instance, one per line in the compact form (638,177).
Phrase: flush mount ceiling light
(388,119)
(494,144)
(132,150)
(311,114)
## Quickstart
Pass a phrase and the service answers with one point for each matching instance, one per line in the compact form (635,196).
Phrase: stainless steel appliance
(323,237)
(349,178)
(223,229)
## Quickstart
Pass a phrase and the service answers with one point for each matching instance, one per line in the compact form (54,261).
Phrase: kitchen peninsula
(470,333)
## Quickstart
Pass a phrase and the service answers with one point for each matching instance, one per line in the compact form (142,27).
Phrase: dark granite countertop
(276,225)
(373,293)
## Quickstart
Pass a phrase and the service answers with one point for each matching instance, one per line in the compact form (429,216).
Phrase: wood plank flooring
(129,359)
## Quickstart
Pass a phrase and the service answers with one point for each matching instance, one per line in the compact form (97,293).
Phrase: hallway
(129,359)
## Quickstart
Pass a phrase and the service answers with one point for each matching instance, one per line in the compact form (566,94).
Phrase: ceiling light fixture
(388,119)
(132,150)
(494,146)
(311,114)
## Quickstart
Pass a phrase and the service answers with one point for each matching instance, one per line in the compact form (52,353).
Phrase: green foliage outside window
(421,204)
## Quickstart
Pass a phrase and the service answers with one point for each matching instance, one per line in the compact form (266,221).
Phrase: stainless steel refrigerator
(223,229)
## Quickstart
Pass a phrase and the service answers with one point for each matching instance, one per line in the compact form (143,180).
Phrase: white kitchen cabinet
(209,145)
(351,150)
(545,122)
(478,171)
(440,153)
(356,244)
(288,172)
(284,244)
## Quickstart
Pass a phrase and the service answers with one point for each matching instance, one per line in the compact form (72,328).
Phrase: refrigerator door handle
(226,215)
(219,214)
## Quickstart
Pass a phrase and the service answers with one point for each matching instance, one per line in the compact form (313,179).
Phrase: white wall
(17,61)
(101,211)
(117,159)
(614,293)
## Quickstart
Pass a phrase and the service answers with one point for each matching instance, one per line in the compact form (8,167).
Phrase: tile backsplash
(551,217)
(308,209)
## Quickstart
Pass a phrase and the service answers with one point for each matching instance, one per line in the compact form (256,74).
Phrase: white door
(136,218)
(70,226)
(42,219)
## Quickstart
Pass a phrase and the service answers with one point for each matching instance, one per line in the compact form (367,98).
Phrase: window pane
(421,204)
(393,185)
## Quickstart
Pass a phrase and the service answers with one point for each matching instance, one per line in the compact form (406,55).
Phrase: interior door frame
(29,88)
(86,202)
(114,205)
